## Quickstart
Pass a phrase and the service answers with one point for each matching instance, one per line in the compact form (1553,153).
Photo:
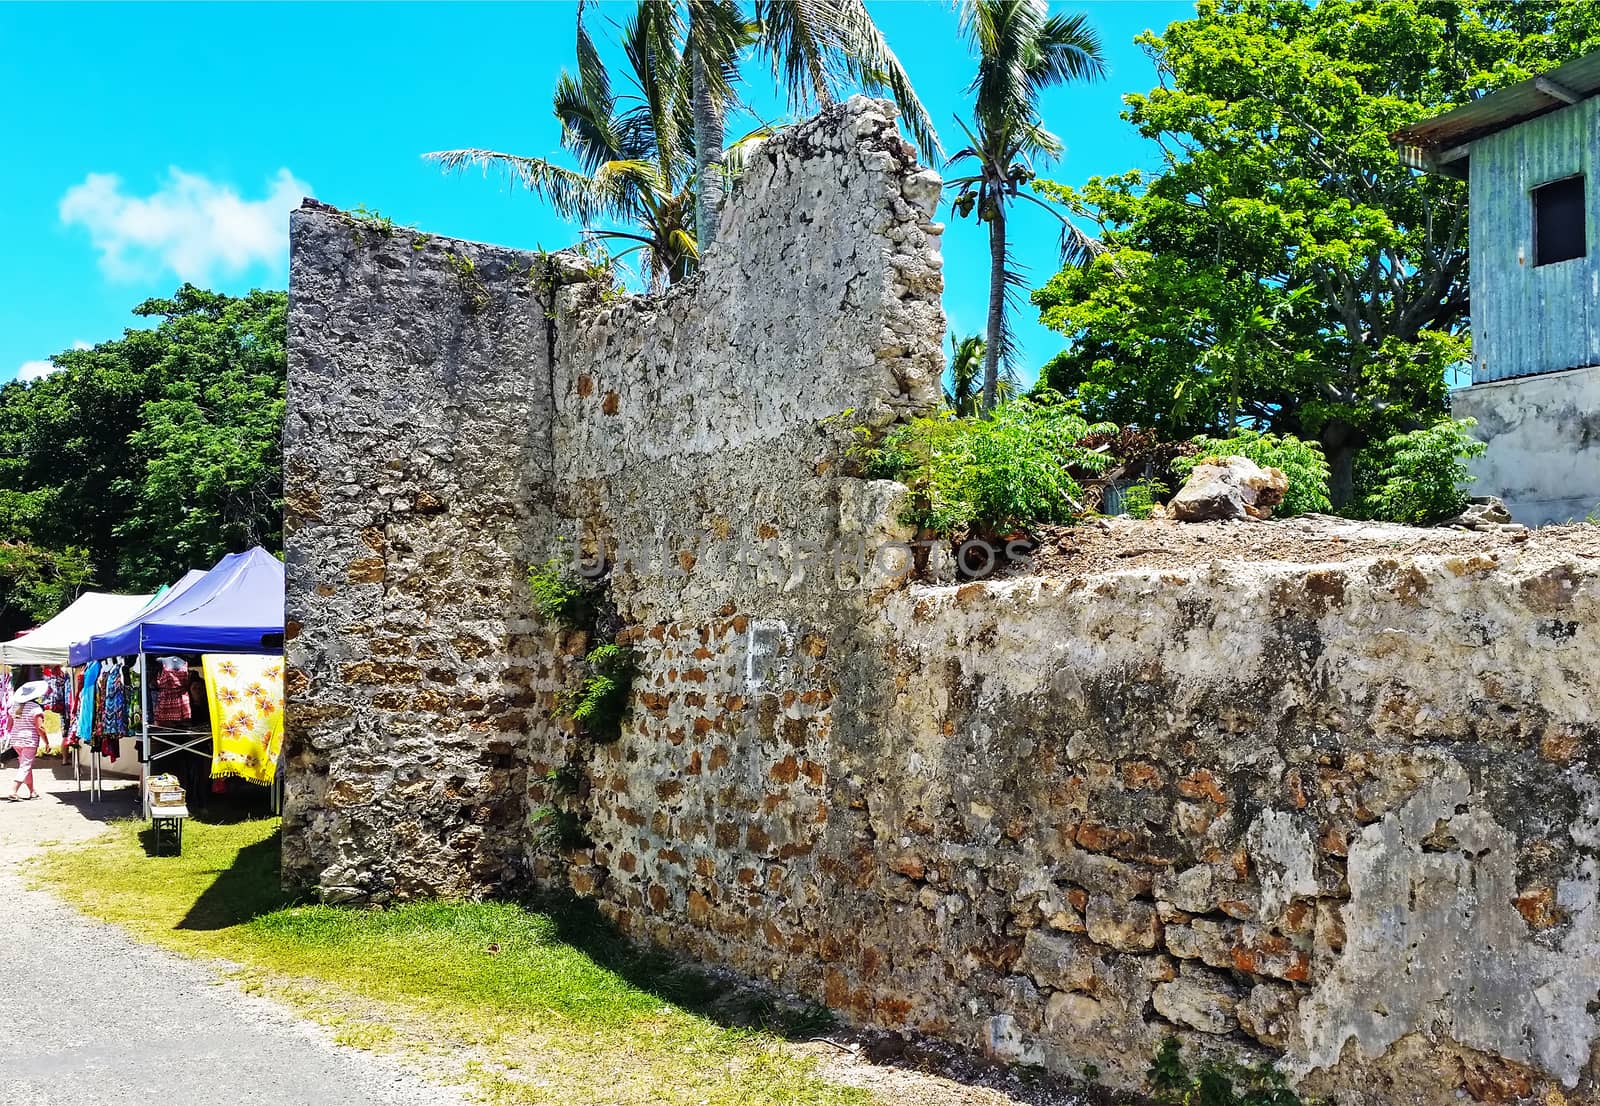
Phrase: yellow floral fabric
(246,697)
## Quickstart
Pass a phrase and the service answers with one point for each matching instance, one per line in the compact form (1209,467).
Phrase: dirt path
(93,1016)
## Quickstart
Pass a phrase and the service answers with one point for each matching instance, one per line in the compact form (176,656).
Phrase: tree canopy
(145,455)
(1281,269)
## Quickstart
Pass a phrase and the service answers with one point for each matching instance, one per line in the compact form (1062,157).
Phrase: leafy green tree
(1420,477)
(152,453)
(1282,269)
(1022,50)
(36,583)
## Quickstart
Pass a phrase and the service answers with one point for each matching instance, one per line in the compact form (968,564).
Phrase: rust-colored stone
(1201,784)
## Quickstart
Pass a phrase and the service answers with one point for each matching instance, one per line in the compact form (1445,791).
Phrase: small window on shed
(1558,230)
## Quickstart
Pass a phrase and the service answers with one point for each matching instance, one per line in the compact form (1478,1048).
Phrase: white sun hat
(31,692)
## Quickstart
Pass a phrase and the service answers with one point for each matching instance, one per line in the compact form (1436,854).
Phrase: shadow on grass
(247,889)
(723,998)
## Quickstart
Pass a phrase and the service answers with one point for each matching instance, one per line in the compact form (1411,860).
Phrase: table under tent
(235,609)
(50,645)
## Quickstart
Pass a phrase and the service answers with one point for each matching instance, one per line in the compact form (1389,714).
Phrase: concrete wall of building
(1543,436)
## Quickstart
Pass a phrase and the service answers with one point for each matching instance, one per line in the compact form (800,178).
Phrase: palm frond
(587,127)
(650,37)
(718,34)
(797,37)
(874,66)
(572,194)
(966,374)
(1004,32)
(1069,50)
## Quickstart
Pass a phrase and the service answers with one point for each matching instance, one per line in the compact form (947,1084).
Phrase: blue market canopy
(237,607)
(78,652)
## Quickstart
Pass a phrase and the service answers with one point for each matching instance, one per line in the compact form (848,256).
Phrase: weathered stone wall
(460,411)
(418,474)
(1341,816)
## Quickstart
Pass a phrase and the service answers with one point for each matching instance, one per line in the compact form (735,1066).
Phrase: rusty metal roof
(1435,143)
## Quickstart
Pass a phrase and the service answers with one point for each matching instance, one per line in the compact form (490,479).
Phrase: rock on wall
(1343,817)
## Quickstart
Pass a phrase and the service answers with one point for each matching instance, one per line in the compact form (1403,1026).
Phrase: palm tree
(966,376)
(817,49)
(635,152)
(966,373)
(1022,50)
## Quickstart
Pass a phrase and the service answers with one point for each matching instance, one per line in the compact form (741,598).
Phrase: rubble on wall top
(1114,544)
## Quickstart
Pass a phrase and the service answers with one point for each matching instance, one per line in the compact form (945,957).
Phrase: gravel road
(90,1016)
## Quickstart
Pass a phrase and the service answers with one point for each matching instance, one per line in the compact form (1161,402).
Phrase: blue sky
(168,142)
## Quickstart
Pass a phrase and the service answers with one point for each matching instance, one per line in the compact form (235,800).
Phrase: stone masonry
(1342,817)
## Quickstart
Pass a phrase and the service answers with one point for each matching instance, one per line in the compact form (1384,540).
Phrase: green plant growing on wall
(1419,478)
(474,296)
(364,218)
(1213,1084)
(557,828)
(559,596)
(1301,461)
(564,781)
(600,702)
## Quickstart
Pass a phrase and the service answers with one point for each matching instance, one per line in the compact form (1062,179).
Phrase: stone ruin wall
(1343,817)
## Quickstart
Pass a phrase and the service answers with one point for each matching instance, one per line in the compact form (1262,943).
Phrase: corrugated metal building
(1530,153)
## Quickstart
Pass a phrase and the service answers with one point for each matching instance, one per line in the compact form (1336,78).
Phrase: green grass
(495,993)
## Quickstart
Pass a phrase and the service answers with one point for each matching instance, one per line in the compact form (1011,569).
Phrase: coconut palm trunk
(709,135)
(995,338)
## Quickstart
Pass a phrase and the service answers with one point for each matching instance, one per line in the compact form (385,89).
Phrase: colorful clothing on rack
(172,693)
(86,702)
(69,717)
(245,695)
(113,724)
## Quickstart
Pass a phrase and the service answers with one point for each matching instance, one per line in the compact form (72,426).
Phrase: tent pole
(144,733)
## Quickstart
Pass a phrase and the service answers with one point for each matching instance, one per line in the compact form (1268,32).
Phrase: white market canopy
(91,613)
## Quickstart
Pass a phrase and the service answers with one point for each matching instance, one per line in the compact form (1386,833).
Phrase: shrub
(1418,478)
(995,475)
(1139,500)
(1301,461)
(1172,1084)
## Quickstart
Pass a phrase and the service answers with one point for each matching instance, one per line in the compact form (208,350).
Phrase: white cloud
(81,344)
(191,226)
(35,370)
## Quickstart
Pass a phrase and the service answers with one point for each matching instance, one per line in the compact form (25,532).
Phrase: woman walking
(27,732)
